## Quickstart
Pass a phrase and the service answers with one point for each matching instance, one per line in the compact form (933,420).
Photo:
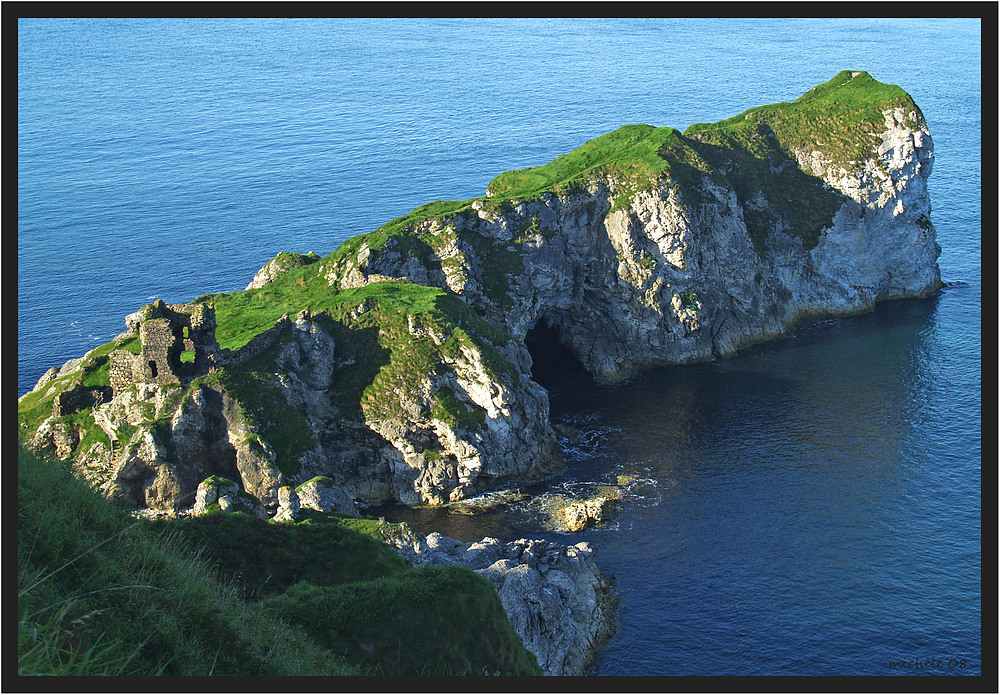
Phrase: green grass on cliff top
(630,151)
(242,315)
(839,117)
(371,328)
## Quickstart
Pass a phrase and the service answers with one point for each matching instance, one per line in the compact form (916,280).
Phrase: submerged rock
(579,514)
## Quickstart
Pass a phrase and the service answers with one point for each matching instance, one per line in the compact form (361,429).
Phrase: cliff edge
(396,365)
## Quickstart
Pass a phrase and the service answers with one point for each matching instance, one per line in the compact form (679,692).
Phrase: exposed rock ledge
(556,598)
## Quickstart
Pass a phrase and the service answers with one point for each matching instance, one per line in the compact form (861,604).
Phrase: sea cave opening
(552,361)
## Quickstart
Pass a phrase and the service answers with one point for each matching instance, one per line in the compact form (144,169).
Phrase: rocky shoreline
(556,598)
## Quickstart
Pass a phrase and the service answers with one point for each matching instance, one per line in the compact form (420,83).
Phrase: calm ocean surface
(811,507)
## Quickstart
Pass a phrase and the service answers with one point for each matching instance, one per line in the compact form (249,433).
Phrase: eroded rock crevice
(551,359)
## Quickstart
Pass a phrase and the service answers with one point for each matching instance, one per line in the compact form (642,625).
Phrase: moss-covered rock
(219,494)
(284,261)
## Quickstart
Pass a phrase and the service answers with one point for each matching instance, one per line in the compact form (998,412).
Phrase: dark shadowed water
(810,507)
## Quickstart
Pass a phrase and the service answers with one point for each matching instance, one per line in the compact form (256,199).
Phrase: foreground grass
(100,593)
(357,597)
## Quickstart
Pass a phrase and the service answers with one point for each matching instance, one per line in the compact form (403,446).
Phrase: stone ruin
(169,331)
(79,396)
(166,334)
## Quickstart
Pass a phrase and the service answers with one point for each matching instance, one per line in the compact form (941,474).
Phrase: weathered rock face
(418,452)
(164,443)
(467,420)
(555,597)
(577,515)
(288,504)
(674,273)
(882,244)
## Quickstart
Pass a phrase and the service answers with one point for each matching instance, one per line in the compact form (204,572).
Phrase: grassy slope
(632,151)
(103,594)
(839,117)
(357,597)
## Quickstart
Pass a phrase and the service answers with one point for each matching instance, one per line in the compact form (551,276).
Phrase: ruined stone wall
(165,331)
(261,342)
(199,319)
(78,397)
(160,360)
(122,369)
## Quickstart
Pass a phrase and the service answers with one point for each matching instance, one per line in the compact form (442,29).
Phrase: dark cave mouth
(552,361)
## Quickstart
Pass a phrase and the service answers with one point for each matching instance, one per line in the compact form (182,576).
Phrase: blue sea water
(810,507)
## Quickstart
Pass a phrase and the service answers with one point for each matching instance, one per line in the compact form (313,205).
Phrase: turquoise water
(812,507)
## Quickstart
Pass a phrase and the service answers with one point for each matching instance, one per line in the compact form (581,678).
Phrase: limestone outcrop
(321,495)
(556,598)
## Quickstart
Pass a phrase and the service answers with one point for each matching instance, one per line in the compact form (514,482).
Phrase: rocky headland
(397,366)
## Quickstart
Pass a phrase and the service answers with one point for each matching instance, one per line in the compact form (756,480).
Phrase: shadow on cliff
(552,362)
(796,200)
(361,357)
